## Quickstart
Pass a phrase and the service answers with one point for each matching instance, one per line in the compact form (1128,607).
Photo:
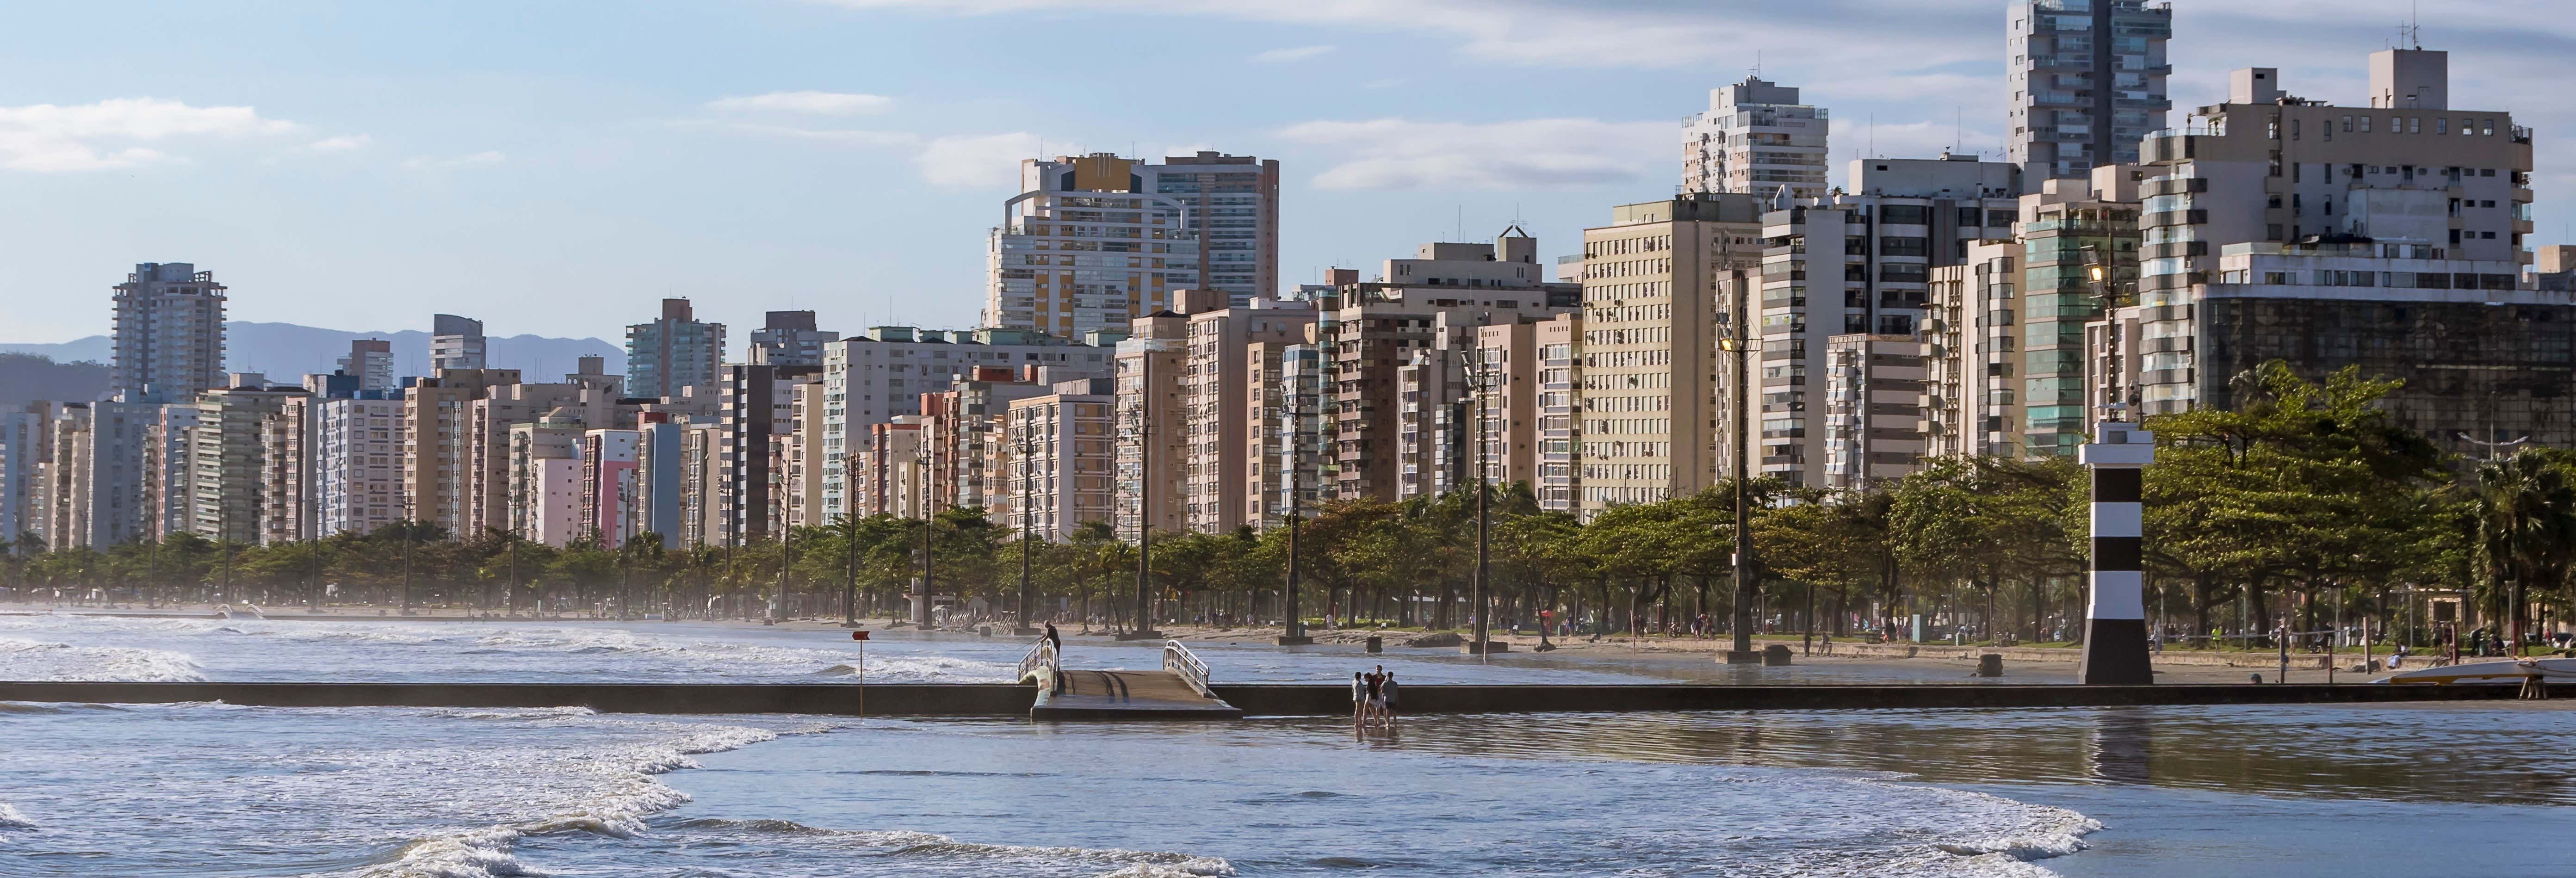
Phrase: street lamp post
(1028,509)
(1479,377)
(1293,631)
(1739,341)
(921,474)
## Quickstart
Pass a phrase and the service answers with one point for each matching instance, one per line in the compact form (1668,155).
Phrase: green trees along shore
(2306,503)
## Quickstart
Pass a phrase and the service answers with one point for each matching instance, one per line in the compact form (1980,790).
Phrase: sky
(556,167)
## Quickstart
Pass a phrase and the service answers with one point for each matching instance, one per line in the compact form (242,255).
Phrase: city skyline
(530,165)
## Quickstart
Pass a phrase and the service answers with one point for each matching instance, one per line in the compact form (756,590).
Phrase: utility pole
(1739,341)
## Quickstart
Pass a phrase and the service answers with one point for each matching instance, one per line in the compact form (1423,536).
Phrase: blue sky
(555,167)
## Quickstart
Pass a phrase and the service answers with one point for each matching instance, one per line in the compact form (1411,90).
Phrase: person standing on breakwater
(1359,701)
(1054,639)
(1386,700)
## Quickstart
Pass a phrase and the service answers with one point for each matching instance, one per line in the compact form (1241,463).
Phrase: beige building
(228,450)
(1064,457)
(1560,413)
(1222,486)
(1367,331)
(1152,446)
(1648,343)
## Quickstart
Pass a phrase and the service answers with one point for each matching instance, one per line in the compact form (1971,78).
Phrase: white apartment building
(1094,241)
(357,472)
(1858,264)
(1755,138)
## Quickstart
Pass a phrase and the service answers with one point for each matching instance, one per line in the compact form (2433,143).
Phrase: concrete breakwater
(1256,699)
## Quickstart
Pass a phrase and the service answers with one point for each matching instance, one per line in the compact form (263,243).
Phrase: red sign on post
(858,635)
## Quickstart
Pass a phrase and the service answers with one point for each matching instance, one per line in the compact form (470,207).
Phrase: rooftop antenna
(1757,64)
(1462,223)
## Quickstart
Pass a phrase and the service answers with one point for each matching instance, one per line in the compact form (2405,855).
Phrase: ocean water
(61,646)
(198,789)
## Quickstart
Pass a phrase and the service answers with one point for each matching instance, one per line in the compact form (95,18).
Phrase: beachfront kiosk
(2115,623)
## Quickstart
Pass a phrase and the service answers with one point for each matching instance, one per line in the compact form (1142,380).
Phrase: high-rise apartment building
(2388,235)
(874,378)
(371,361)
(93,479)
(1560,413)
(798,469)
(1755,138)
(1649,345)
(22,473)
(610,486)
(1219,490)
(2087,79)
(1093,241)
(1367,331)
(455,343)
(674,351)
(169,336)
(1063,457)
(759,402)
(357,465)
(1858,264)
(788,338)
(1150,438)
(229,452)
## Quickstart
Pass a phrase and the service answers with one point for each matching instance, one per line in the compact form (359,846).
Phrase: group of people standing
(1373,699)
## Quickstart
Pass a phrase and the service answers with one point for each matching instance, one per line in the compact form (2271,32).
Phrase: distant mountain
(26,378)
(285,351)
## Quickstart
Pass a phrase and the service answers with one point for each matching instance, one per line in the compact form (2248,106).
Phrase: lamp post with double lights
(1479,374)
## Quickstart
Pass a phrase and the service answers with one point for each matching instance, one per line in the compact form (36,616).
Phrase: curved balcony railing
(1185,664)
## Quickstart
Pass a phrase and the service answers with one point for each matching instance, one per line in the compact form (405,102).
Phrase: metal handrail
(1181,662)
(1042,658)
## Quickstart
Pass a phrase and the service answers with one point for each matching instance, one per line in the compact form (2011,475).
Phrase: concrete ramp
(1140,695)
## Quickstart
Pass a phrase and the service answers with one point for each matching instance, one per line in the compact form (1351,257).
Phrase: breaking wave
(22,659)
(928,851)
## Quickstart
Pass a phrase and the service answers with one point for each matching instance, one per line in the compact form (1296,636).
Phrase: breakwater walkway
(1250,699)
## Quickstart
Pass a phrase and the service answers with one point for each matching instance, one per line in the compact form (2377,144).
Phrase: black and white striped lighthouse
(2115,624)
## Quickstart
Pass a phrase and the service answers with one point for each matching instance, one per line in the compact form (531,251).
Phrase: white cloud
(1403,154)
(86,137)
(1579,33)
(845,136)
(486,157)
(342,143)
(1299,53)
(984,161)
(817,103)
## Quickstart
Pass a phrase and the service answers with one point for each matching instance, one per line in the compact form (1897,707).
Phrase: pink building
(609,494)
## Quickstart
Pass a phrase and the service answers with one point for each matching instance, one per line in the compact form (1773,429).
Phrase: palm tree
(2526,530)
